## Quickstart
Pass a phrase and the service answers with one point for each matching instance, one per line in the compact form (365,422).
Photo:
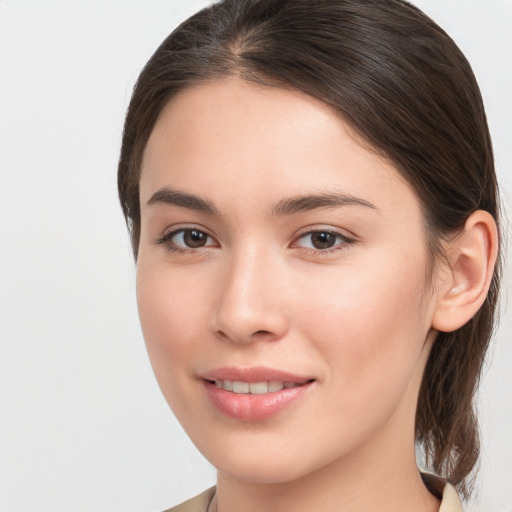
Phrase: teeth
(275,385)
(258,388)
(240,387)
(254,388)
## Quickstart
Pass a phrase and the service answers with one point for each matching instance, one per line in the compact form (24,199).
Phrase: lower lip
(247,407)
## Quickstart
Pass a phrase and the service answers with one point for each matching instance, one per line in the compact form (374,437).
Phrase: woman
(312,202)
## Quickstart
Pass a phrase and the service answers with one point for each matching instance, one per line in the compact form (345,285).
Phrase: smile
(255,388)
(255,394)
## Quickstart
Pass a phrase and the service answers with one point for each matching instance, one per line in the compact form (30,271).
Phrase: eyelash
(343,241)
(166,240)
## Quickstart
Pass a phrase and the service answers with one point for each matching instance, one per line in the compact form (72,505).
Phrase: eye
(322,240)
(187,239)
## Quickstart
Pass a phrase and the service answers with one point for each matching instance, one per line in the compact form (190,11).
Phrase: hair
(404,86)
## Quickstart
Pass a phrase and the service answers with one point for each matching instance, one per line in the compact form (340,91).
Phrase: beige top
(450,501)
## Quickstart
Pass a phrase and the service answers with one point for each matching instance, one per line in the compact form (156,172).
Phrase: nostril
(261,333)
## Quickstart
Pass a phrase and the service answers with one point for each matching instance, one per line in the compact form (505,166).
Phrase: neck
(340,487)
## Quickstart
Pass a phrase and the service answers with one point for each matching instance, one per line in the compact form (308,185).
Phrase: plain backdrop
(82,423)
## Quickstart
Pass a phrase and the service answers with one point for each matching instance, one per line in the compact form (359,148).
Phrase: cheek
(370,325)
(170,316)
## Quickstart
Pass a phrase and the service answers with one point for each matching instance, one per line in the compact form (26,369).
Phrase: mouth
(256,388)
(254,394)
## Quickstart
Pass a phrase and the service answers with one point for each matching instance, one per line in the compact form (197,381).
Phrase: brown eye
(187,239)
(193,238)
(323,240)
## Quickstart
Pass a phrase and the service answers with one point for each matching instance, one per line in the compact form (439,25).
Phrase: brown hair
(401,82)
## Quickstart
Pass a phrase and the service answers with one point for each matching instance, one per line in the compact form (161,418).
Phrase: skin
(357,317)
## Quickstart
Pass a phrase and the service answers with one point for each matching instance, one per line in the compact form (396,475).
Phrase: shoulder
(450,501)
(198,504)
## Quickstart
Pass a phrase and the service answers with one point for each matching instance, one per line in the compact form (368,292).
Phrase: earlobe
(463,288)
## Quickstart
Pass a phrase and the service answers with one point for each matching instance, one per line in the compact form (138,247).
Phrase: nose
(249,300)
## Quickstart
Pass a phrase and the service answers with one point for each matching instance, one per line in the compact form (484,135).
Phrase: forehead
(233,139)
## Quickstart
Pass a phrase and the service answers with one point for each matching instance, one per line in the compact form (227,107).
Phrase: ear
(464,284)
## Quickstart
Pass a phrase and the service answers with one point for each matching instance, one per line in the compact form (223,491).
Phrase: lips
(254,394)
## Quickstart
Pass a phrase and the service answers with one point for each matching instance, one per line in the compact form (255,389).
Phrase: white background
(82,424)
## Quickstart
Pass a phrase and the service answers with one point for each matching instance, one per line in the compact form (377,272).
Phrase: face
(281,282)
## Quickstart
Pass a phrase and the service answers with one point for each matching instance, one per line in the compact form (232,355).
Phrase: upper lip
(253,374)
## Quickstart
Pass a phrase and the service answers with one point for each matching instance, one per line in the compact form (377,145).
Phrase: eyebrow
(312,202)
(288,206)
(174,197)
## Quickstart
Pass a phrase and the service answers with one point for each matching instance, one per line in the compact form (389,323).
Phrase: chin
(262,463)
(262,472)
